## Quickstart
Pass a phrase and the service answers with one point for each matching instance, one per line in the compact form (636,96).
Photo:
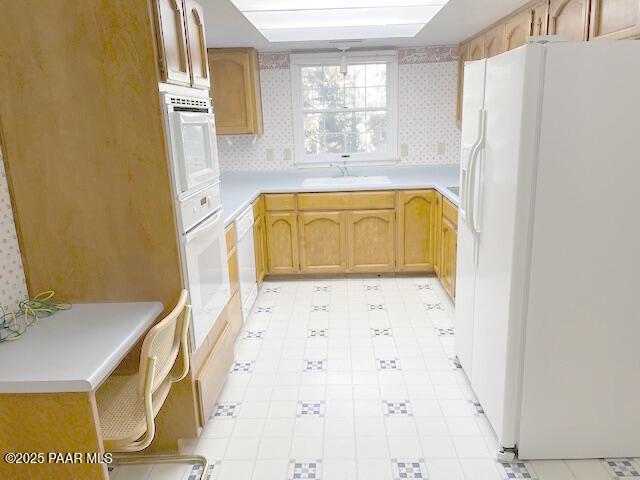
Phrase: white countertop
(74,350)
(240,189)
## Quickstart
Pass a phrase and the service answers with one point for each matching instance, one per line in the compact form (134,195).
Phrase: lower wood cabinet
(448,247)
(371,236)
(282,242)
(322,242)
(416,230)
(260,248)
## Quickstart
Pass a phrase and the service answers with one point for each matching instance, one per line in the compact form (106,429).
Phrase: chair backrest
(163,342)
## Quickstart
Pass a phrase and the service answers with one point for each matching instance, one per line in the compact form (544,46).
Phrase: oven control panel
(198,206)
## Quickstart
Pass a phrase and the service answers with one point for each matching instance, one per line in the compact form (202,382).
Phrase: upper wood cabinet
(540,18)
(494,41)
(197,44)
(323,246)
(476,49)
(235,90)
(517,29)
(416,239)
(182,43)
(569,18)
(282,242)
(172,48)
(371,237)
(614,19)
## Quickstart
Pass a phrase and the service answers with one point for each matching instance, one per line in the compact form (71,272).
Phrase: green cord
(13,325)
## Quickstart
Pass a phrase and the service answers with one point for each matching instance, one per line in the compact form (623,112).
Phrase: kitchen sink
(348,181)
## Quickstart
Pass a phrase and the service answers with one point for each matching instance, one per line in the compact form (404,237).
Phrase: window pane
(311,77)
(334,122)
(376,120)
(355,76)
(313,124)
(335,143)
(356,143)
(376,97)
(312,99)
(354,97)
(377,75)
(312,144)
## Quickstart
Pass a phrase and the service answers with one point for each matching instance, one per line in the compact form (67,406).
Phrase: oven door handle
(205,226)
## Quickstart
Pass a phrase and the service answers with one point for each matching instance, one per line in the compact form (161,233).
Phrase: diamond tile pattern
(356,394)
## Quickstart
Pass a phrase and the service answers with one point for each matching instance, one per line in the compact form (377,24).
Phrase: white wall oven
(196,181)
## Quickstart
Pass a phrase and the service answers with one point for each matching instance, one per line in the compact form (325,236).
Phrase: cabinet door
(416,235)
(476,48)
(517,29)
(172,48)
(614,19)
(197,44)
(569,18)
(371,239)
(437,228)
(259,242)
(282,243)
(540,19)
(235,90)
(494,41)
(448,238)
(322,242)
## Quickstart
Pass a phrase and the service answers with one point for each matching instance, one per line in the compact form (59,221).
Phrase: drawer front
(450,211)
(347,201)
(213,375)
(230,236)
(278,202)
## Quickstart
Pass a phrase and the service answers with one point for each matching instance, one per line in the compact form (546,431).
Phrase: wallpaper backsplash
(12,283)
(427,86)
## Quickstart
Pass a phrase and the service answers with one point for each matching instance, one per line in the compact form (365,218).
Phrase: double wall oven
(196,182)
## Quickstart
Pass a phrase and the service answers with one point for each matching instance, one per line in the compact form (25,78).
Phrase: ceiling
(457,21)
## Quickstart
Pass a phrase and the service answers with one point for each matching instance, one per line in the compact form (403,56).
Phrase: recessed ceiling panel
(304,20)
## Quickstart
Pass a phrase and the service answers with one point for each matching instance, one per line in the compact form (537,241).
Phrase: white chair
(128,404)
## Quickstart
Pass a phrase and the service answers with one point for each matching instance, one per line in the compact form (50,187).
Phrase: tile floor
(351,379)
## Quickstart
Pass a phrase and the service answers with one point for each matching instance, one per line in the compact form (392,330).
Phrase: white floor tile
(552,470)
(270,469)
(444,469)
(438,447)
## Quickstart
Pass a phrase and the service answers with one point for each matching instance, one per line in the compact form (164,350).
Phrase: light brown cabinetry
(172,39)
(259,239)
(416,221)
(476,49)
(517,29)
(181,43)
(282,242)
(448,246)
(197,44)
(322,242)
(569,18)
(494,41)
(540,18)
(614,19)
(371,237)
(235,90)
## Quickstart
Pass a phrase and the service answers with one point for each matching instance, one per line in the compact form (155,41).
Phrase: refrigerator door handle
(471,175)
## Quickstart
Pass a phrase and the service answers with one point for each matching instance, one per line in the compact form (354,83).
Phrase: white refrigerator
(548,288)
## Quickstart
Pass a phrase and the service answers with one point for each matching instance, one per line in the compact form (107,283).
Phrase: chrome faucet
(343,169)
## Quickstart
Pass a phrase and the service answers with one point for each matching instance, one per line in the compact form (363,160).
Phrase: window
(345,118)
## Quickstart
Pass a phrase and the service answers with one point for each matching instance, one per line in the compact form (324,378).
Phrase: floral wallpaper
(427,113)
(12,283)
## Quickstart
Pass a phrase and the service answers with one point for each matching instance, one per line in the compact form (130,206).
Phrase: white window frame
(390,157)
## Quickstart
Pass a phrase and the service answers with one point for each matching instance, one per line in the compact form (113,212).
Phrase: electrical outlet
(441,148)
(270,155)
(404,150)
(286,154)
